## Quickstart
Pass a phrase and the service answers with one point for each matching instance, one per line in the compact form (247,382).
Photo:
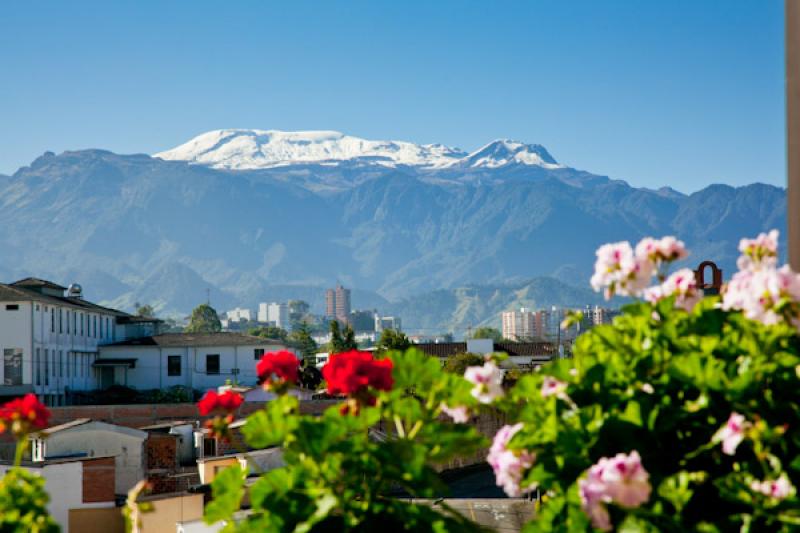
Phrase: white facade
(64,484)
(49,348)
(239,314)
(98,439)
(275,313)
(387,322)
(521,325)
(193,366)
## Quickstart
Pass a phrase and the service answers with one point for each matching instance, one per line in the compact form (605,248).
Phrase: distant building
(597,315)
(387,322)
(239,314)
(337,304)
(363,321)
(523,324)
(521,354)
(274,313)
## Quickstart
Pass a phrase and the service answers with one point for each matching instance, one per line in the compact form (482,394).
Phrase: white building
(275,313)
(522,325)
(50,336)
(76,485)
(387,322)
(195,360)
(85,437)
(239,314)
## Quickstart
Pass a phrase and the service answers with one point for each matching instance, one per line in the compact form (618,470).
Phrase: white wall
(98,439)
(16,332)
(64,484)
(151,365)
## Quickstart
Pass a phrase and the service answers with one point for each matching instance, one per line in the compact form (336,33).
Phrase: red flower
(228,401)
(24,414)
(282,364)
(354,372)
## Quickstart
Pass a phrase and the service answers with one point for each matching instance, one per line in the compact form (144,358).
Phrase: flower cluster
(357,374)
(222,406)
(682,285)
(460,414)
(779,489)
(621,480)
(488,381)
(760,290)
(510,465)
(621,270)
(276,370)
(553,387)
(732,433)
(23,414)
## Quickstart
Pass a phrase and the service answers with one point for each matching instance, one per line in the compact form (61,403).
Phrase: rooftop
(28,289)
(223,338)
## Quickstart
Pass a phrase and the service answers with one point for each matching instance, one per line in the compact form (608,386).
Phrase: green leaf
(227,490)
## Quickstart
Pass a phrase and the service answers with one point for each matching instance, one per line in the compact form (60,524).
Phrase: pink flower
(663,250)
(761,252)
(551,386)
(488,381)
(732,433)
(621,480)
(767,295)
(682,284)
(510,465)
(779,489)
(460,414)
(618,271)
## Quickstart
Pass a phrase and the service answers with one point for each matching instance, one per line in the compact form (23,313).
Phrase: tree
(204,320)
(392,339)
(302,340)
(145,310)
(341,342)
(488,333)
(270,332)
(459,362)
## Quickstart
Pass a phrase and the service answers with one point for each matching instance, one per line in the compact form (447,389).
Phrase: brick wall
(98,480)
(161,451)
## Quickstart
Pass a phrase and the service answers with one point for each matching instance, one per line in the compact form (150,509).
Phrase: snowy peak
(242,149)
(253,149)
(506,152)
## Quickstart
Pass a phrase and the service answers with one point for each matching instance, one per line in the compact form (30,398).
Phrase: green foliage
(663,381)
(23,503)
(270,332)
(458,363)
(145,310)
(301,339)
(341,341)
(204,320)
(341,471)
(487,333)
(393,340)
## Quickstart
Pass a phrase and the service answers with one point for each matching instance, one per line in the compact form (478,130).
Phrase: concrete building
(50,338)
(274,313)
(239,314)
(387,322)
(522,325)
(88,438)
(78,486)
(337,304)
(199,361)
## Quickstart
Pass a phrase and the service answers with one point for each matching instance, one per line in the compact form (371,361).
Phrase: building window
(94,326)
(36,372)
(12,366)
(101,327)
(212,363)
(61,321)
(173,365)
(209,447)
(258,353)
(53,320)
(12,307)
(82,319)
(60,364)
(74,323)
(46,366)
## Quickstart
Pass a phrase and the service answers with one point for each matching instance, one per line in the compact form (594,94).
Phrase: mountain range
(443,237)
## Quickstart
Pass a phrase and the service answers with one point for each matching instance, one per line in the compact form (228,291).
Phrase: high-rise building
(387,322)
(274,313)
(523,324)
(337,304)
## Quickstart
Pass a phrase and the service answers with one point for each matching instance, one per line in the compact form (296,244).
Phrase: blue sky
(680,93)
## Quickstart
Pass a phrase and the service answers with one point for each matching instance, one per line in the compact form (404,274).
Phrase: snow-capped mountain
(243,149)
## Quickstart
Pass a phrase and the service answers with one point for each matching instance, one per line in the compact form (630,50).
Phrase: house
(81,491)
(91,438)
(50,336)
(194,360)
(524,354)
